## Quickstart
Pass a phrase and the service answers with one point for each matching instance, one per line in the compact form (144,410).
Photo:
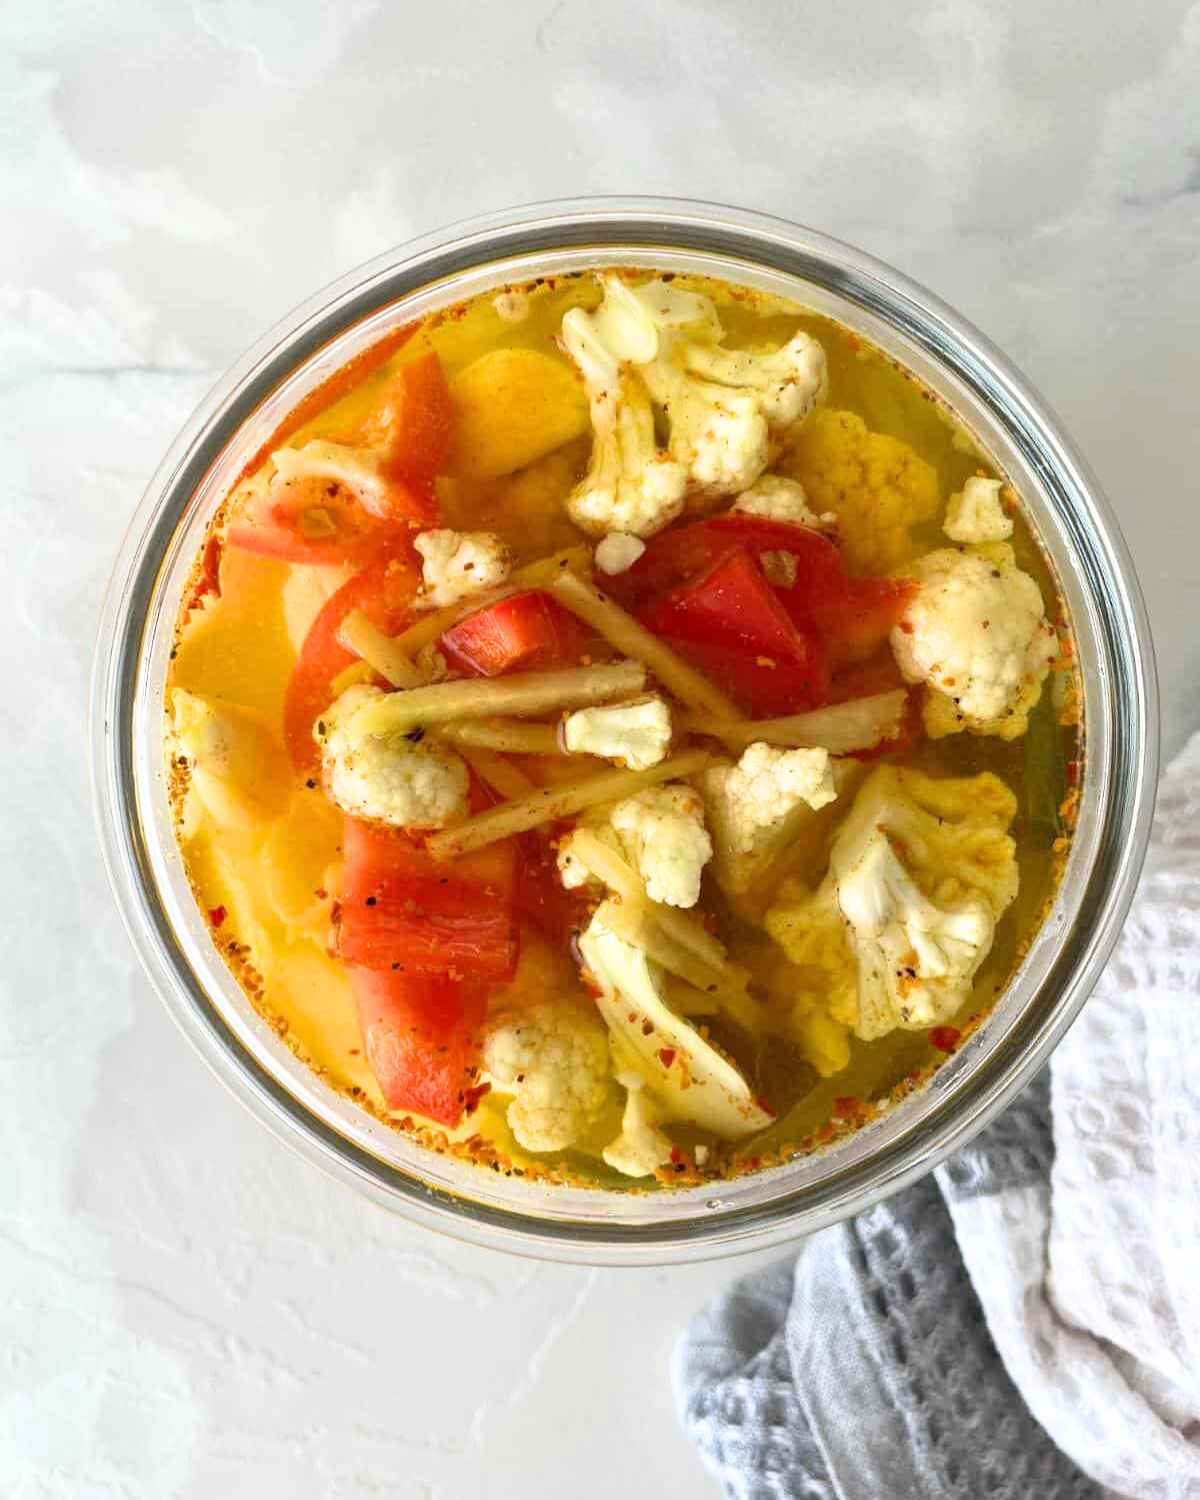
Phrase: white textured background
(185,1309)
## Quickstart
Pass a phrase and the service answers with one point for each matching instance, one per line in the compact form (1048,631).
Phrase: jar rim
(1083,540)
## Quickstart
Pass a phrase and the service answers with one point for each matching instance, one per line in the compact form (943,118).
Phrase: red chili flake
(217,915)
(846,1107)
(676,1155)
(945,1038)
(473,1095)
(764,1106)
(1072,773)
(666,1056)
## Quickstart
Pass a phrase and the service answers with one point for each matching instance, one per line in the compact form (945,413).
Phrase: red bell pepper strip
(415,422)
(420,1035)
(730,623)
(526,631)
(384,593)
(400,908)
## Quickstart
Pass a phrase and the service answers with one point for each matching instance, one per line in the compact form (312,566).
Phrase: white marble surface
(186,1310)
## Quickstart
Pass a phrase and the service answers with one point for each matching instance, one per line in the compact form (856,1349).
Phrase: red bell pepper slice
(525,631)
(384,592)
(399,907)
(318,521)
(731,624)
(420,1035)
(415,422)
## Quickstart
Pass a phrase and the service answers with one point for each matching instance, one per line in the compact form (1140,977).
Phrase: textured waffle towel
(1024,1325)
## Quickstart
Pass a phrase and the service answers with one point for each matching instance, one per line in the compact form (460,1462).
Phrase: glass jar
(1008,421)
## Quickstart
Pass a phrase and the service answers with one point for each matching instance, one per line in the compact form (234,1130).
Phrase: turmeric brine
(623,736)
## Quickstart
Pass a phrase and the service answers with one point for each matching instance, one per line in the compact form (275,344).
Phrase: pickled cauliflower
(631,485)
(765,786)
(775,497)
(976,633)
(457,564)
(554,1060)
(641,1148)
(390,778)
(637,734)
(726,410)
(919,874)
(664,835)
(878,488)
(977,514)
(618,552)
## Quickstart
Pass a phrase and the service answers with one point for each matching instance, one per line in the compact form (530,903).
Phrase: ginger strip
(621,630)
(549,804)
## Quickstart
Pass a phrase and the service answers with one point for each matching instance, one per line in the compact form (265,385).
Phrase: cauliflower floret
(777,498)
(618,552)
(636,733)
(765,786)
(919,874)
(726,409)
(631,485)
(788,381)
(641,1148)
(511,307)
(457,564)
(976,632)
(391,778)
(878,488)
(237,766)
(718,434)
(976,513)
(554,1060)
(663,832)
(360,470)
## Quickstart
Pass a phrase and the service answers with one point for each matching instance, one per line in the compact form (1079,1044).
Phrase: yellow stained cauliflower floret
(919,874)
(554,1061)
(877,486)
(976,634)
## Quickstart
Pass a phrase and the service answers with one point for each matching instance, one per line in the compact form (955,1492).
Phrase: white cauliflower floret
(641,1148)
(915,960)
(391,778)
(774,497)
(457,564)
(618,552)
(554,1060)
(976,513)
(765,787)
(976,632)
(631,485)
(360,470)
(725,409)
(636,733)
(919,874)
(718,434)
(788,382)
(663,832)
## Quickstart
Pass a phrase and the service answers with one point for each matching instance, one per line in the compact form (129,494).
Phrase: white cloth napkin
(1091,1281)
(1027,1323)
